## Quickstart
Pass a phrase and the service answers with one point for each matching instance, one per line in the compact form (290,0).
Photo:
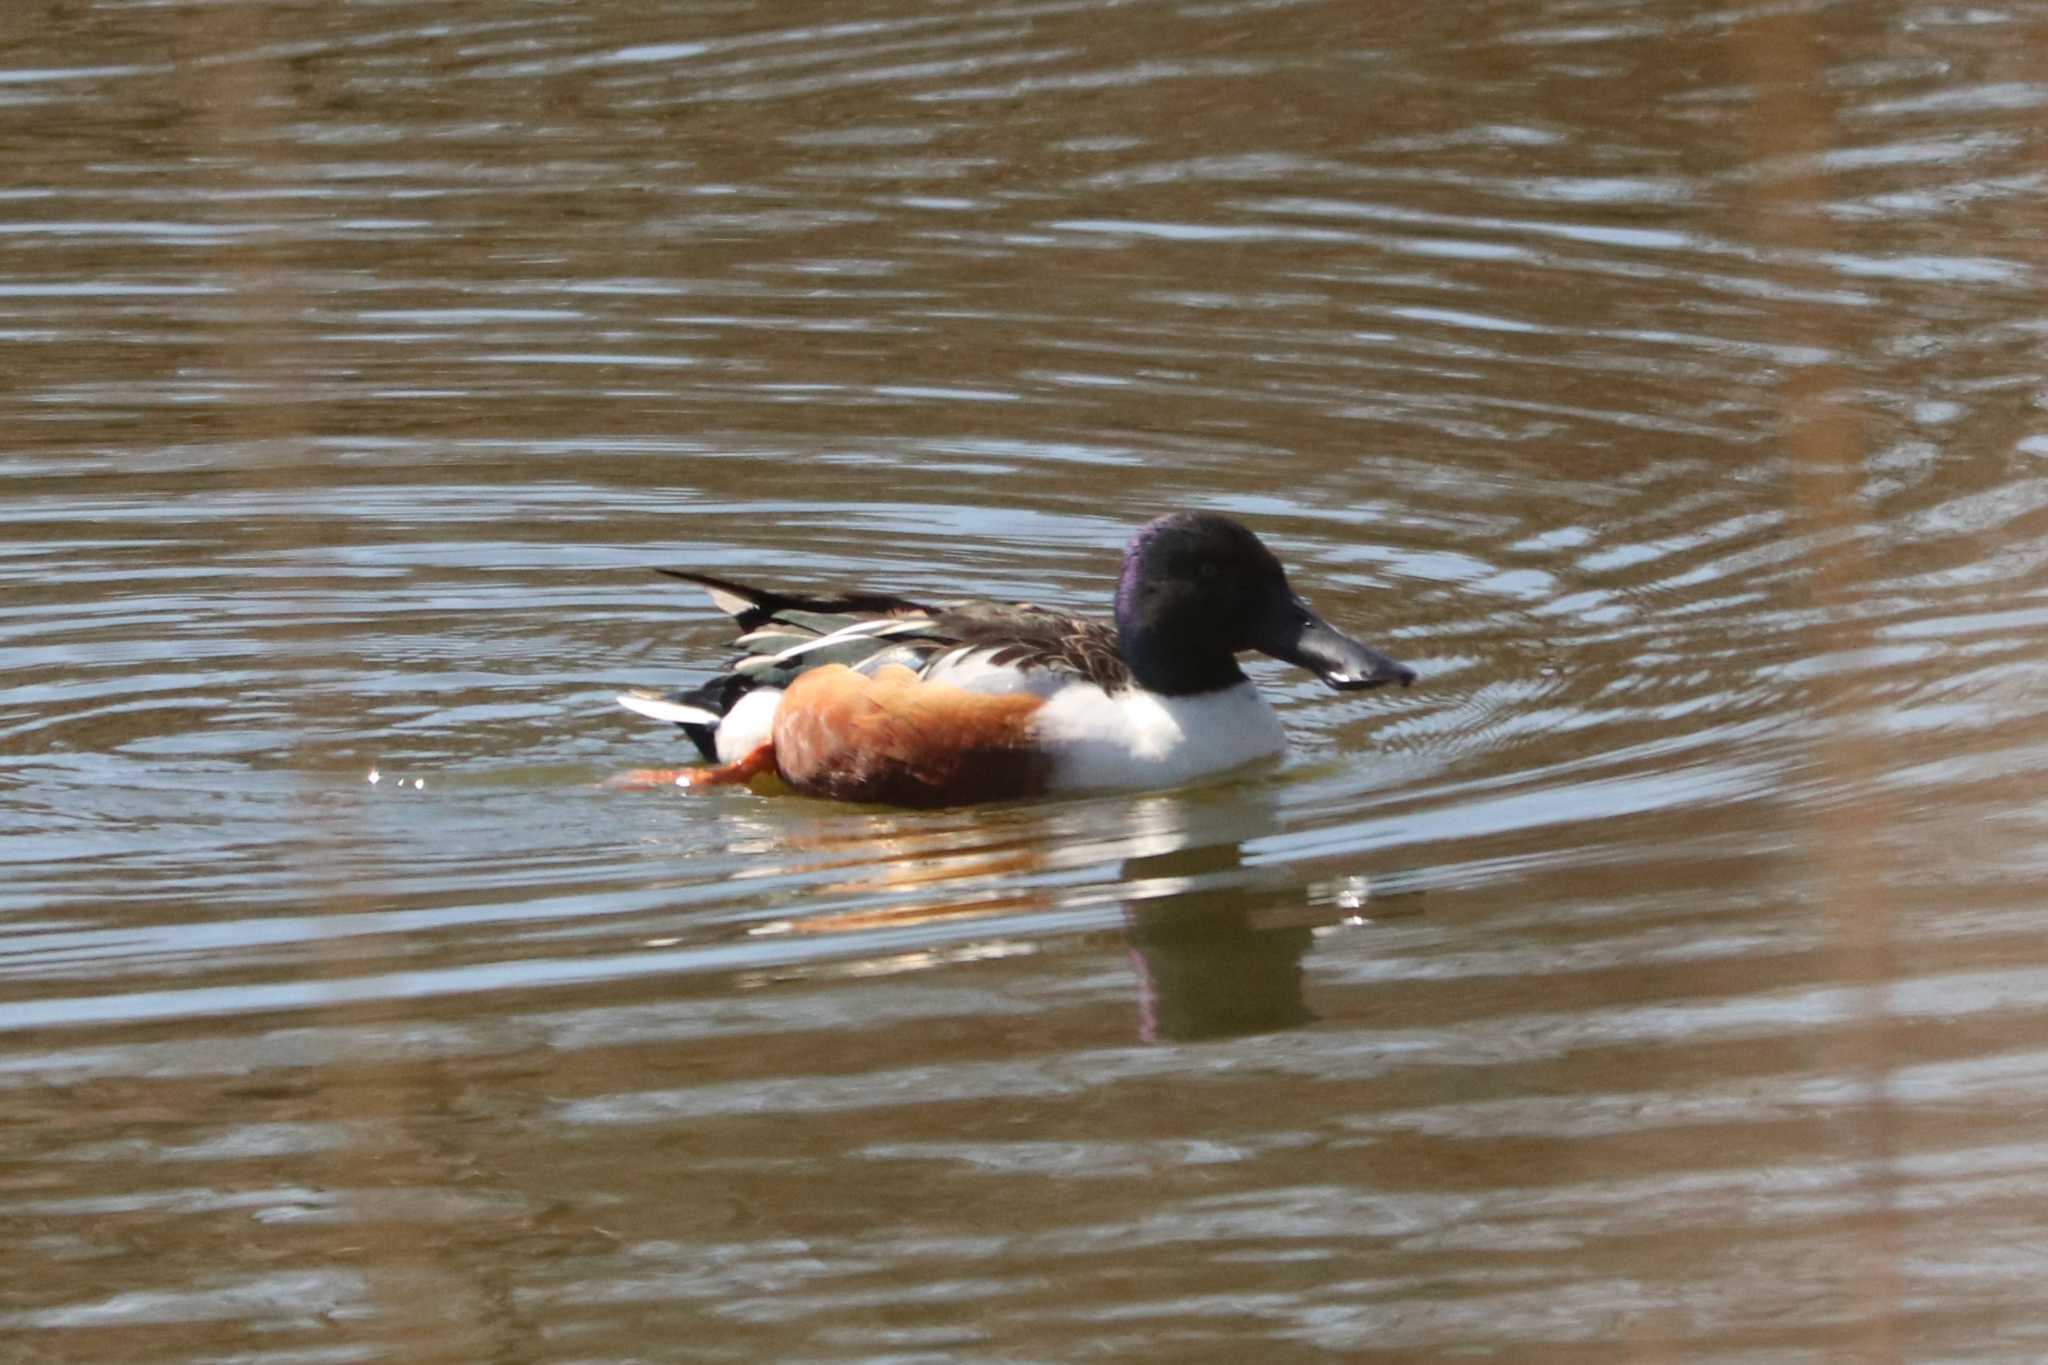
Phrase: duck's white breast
(1135,739)
(751,722)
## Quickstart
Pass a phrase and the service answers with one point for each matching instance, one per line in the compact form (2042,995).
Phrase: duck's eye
(1208,570)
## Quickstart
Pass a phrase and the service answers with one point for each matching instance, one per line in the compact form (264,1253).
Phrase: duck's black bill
(1299,636)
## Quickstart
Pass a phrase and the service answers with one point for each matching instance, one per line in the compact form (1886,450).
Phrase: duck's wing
(784,633)
(1032,638)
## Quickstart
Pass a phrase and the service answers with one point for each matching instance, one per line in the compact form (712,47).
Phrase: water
(1663,978)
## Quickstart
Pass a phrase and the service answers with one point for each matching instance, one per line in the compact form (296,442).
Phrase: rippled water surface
(1664,978)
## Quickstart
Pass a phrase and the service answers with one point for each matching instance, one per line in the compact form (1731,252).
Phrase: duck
(872,698)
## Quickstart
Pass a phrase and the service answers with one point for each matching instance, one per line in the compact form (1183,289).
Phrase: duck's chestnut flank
(895,739)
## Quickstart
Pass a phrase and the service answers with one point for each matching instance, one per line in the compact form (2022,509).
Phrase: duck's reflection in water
(1217,958)
(1217,937)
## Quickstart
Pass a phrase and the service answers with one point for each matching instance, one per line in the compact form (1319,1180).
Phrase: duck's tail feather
(696,712)
(662,708)
(751,607)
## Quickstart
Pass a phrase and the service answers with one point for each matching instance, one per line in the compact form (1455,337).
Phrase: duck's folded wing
(1031,638)
(783,634)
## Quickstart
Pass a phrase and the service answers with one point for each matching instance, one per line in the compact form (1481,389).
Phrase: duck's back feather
(1027,637)
(786,634)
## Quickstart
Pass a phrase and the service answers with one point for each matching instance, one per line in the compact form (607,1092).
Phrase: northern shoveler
(867,697)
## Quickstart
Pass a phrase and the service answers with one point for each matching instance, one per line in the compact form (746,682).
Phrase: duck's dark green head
(1198,589)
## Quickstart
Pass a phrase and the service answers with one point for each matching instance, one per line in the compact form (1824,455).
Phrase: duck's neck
(1169,669)
(1174,659)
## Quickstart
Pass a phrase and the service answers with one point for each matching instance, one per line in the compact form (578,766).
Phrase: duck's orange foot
(651,777)
(759,763)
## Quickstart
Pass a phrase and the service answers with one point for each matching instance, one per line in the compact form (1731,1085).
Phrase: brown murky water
(1665,978)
